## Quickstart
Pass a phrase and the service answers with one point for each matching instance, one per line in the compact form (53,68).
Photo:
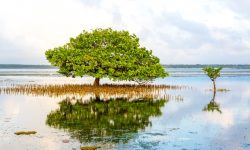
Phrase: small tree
(212,73)
(102,53)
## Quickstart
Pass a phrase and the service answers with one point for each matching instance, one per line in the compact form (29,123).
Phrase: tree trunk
(214,90)
(97,82)
(97,97)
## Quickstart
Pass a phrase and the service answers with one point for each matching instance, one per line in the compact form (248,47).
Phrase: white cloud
(226,119)
(177,31)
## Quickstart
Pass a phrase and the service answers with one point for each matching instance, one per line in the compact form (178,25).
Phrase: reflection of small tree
(212,105)
(104,121)
(212,73)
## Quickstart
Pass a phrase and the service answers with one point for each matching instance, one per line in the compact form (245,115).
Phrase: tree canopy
(212,72)
(106,53)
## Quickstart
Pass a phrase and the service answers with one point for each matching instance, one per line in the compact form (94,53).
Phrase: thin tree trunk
(97,97)
(97,82)
(214,90)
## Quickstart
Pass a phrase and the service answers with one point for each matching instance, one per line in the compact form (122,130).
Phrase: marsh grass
(25,132)
(221,90)
(89,147)
(105,91)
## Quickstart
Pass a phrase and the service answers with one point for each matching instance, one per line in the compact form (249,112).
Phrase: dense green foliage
(104,121)
(212,72)
(102,53)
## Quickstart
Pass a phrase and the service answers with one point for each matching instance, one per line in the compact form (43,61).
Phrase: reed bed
(105,91)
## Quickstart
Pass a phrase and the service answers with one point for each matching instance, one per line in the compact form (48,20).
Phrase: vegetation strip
(25,132)
(105,91)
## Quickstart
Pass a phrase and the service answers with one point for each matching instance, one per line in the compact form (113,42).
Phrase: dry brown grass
(25,132)
(105,91)
(89,147)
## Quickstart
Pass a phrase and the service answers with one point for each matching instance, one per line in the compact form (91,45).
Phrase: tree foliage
(102,53)
(212,72)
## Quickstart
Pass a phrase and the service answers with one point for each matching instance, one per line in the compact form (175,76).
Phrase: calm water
(194,121)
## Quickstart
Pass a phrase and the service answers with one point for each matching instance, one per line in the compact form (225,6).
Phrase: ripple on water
(246,145)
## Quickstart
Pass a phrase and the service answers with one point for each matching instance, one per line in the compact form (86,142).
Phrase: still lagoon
(191,118)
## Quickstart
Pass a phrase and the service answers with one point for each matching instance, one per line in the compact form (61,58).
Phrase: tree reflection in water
(115,120)
(213,105)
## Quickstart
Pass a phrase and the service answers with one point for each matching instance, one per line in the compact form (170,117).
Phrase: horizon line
(161,64)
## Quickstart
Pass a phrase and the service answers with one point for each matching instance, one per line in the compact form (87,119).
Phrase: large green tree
(106,53)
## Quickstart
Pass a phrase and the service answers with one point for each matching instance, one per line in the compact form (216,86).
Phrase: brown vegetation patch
(105,91)
(25,132)
(89,147)
(220,90)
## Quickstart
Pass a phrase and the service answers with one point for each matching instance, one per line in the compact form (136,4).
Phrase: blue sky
(178,32)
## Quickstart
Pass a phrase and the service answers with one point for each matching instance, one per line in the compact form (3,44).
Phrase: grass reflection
(113,120)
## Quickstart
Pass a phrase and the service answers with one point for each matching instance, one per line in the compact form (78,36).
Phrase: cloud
(10,50)
(177,31)
(241,8)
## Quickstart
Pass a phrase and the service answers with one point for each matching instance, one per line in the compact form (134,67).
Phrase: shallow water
(62,123)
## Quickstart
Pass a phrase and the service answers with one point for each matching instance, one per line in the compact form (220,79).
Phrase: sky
(177,31)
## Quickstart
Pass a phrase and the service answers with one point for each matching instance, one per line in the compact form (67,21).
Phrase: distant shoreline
(24,66)
(241,66)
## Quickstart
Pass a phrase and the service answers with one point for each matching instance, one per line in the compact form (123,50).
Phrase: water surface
(197,120)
